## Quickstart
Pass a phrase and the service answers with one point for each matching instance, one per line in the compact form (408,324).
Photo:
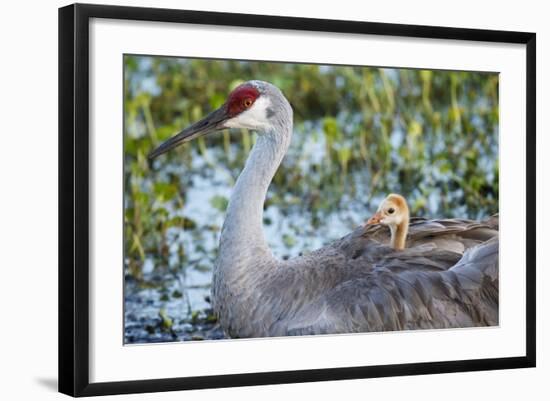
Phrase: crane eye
(247,102)
(391,210)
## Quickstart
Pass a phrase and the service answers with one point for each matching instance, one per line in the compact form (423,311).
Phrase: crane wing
(447,278)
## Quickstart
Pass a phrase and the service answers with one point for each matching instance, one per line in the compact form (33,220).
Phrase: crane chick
(393,212)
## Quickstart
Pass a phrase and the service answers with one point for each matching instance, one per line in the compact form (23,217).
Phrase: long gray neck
(242,240)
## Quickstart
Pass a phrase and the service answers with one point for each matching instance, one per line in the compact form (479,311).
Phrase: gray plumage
(360,284)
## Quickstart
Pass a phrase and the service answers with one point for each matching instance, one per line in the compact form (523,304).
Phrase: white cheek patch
(253,118)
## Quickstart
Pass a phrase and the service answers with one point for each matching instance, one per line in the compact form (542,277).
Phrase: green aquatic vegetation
(219,202)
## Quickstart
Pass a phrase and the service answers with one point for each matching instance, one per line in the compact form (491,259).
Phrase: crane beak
(376,219)
(212,122)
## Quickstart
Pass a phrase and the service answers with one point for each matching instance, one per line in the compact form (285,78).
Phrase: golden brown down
(393,212)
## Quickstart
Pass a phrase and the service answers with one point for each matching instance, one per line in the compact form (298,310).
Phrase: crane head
(392,211)
(247,106)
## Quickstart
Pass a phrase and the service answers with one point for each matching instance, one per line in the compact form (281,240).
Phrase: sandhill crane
(446,277)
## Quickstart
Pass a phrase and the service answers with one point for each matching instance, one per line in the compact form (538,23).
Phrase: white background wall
(28,199)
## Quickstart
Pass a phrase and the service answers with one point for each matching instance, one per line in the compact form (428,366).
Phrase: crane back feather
(447,277)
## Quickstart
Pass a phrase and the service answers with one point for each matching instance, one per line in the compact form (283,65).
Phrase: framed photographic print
(249,199)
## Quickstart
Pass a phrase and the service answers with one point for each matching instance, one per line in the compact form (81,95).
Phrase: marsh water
(359,134)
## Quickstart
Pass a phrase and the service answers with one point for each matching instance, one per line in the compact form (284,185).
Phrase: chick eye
(247,102)
(391,210)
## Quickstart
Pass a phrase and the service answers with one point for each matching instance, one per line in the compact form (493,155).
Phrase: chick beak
(376,219)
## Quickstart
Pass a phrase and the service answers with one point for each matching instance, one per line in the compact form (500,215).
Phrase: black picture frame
(74,198)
